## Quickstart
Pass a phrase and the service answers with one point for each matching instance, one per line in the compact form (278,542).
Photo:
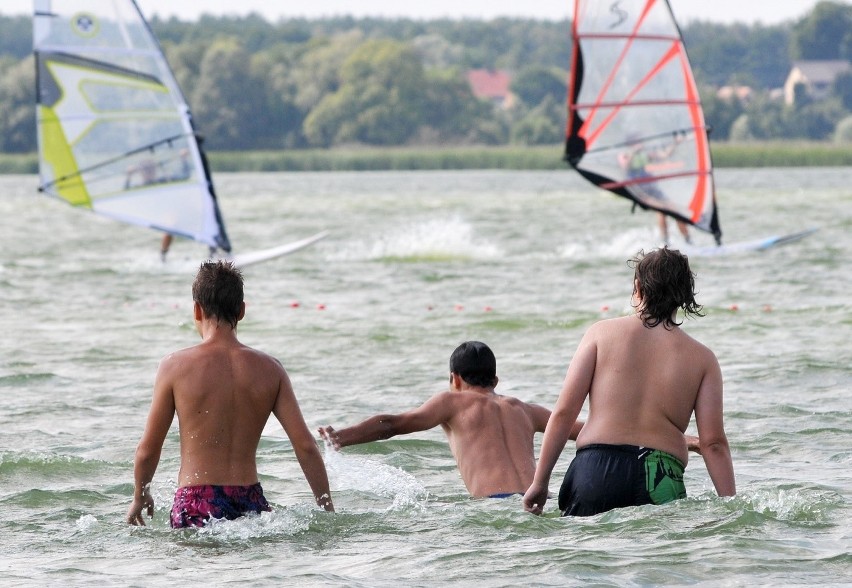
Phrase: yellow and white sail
(115,132)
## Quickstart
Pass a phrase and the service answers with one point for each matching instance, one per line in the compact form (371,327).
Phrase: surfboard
(746,246)
(253,257)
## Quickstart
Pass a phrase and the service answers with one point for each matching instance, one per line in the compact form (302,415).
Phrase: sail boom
(633,37)
(635,103)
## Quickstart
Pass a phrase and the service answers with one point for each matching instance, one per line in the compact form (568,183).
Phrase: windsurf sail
(115,133)
(635,123)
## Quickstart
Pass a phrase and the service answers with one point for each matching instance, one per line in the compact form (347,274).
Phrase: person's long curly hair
(664,283)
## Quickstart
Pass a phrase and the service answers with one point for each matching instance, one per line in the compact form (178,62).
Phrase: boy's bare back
(491,437)
(645,385)
(224,393)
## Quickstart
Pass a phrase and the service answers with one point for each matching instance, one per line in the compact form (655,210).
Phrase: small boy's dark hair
(475,363)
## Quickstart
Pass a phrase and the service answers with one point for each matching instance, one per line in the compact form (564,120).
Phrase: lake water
(365,321)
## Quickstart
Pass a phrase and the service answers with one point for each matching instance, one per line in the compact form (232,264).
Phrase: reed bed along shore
(515,157)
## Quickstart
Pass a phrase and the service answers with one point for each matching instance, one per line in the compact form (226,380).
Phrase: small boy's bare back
(491,437)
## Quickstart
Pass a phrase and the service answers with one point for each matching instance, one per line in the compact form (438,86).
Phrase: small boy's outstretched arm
(432,413)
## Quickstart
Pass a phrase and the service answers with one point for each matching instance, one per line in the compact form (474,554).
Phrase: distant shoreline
(361,158)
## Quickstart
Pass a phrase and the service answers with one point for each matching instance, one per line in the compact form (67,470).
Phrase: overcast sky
(725,11)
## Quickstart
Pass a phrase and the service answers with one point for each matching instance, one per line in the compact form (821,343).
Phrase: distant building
(816,76)
(740,93)
(492,85)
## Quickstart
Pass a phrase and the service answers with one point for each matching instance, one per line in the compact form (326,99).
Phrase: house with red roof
(492,85)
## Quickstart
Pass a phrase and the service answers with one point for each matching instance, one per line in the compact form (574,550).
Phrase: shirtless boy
(223,393)
(491,436)
(644,378)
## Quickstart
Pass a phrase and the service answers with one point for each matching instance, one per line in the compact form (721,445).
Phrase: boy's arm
(288,413)
(563,422)
(160,417)
(541,416)
(713,443)
(433,412)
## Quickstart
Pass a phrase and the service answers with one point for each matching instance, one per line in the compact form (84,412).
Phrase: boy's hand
(140,503)
(330,436)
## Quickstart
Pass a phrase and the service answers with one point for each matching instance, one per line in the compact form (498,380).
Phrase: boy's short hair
(475,363)
(218,289)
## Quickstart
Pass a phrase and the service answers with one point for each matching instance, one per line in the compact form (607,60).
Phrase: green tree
(543,125)
(535,83)
(842,89)
(185,62)
(450,112)
(228,100)
(815,121)
(843,132)
(727,54)
(719,114)
(764,118)
(17,107)
(316,73)
(823,33)
(16,36)
(740,130)
(275,67)
(379,101)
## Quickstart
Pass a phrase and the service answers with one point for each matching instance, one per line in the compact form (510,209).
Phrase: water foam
(366,475)
(445,238)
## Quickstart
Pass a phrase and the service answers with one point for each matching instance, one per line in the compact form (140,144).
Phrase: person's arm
(713,443)
(150,446)
(563,421)
(288,413)
(430,414)
(541,416)
(693,443)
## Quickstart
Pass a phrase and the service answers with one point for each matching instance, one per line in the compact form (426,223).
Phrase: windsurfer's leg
(164,246)
(684,231)
(664,227)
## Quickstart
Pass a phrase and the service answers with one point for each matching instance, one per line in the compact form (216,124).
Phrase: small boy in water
(491,436)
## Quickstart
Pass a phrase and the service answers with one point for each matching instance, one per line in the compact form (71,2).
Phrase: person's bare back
(222,405)
(491,437)
(645,385)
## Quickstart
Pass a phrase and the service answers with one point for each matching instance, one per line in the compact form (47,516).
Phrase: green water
(365,321)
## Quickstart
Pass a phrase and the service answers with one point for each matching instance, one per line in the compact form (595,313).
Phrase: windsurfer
(145,169)
(223,393)
(637,160)
(183,172)
(150,171)
(644,378)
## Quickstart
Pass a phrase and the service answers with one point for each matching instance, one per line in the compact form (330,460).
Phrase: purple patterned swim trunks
(195,505)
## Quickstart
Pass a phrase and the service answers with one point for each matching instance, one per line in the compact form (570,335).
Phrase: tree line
(299,83)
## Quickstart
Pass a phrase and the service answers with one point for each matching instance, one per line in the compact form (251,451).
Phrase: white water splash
(625,244)
(86,522)
(281,522)
(445,238)
(366,475)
